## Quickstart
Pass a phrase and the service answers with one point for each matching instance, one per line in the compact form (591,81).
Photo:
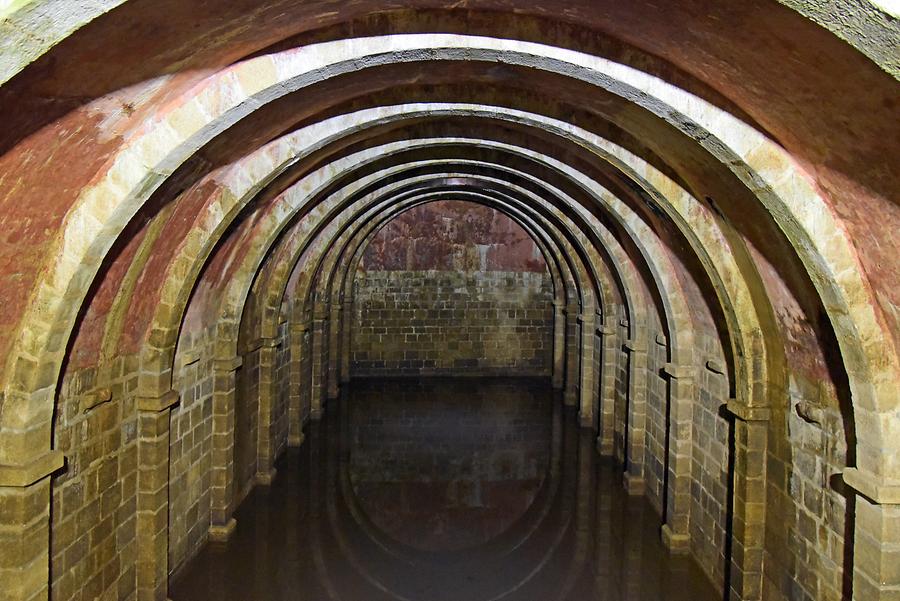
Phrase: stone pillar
(749,500)
(676,530)
(296,333)
(605,435)
(570,396)
(152,531)
(876,541)
(318,350)
(588,385)
(636,427)
(346,340)
(334,349)
(222,522)
(265,444)
(559,344)
(25,527)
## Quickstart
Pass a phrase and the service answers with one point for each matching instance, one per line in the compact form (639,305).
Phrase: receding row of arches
(188,302)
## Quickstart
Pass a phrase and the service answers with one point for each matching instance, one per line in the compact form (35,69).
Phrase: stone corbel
(634,345)
(20,476)
(586,318)
(94,398)
(227,365)
(156,404)
(661,340)
(746,413)
(606,329)
(810,412)
(263,342)
(190,357)
(221,533)
(298,329)
(320,311)
(715,367)
(678,372)
(872,487)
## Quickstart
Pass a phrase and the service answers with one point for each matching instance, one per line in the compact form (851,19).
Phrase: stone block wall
(190,450)
(246,424)
(657,398)
(94,499)
(806,555)
(710,475)
(620,391)
(280,410)
(441,322)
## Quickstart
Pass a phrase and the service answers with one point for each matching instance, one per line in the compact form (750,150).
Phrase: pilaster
(573,345)
(606,435)
(25,527)
(296,334)
(265,444)
(319,350)
(334,349)
(749,500)
(152,537)
(588,386)
(346,340)
(633,478)
(876,542)
(676,530)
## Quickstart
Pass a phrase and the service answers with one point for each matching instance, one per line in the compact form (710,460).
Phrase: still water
(444,490)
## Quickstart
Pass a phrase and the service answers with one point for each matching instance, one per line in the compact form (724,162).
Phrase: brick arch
(868,350)
(864,315)
(336,256)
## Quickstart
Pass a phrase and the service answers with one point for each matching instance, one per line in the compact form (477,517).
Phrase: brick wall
(441,322)
(190,450)
(452,288)
(92,535)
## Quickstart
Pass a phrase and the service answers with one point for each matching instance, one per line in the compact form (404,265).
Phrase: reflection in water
(444,465)
(444,490)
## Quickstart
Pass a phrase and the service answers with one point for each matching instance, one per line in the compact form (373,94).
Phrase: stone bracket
(586,318)
(227,365)
(661,340)
(220,534)
(95,398)
(20,476)
(157,404)
(872,487)
(266,478)
(677,544)
(634,345)
(299,328)
(263,342)
(746,413)
(678,372)
(715,367)
(634,485)
(190,357)
(606,329)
